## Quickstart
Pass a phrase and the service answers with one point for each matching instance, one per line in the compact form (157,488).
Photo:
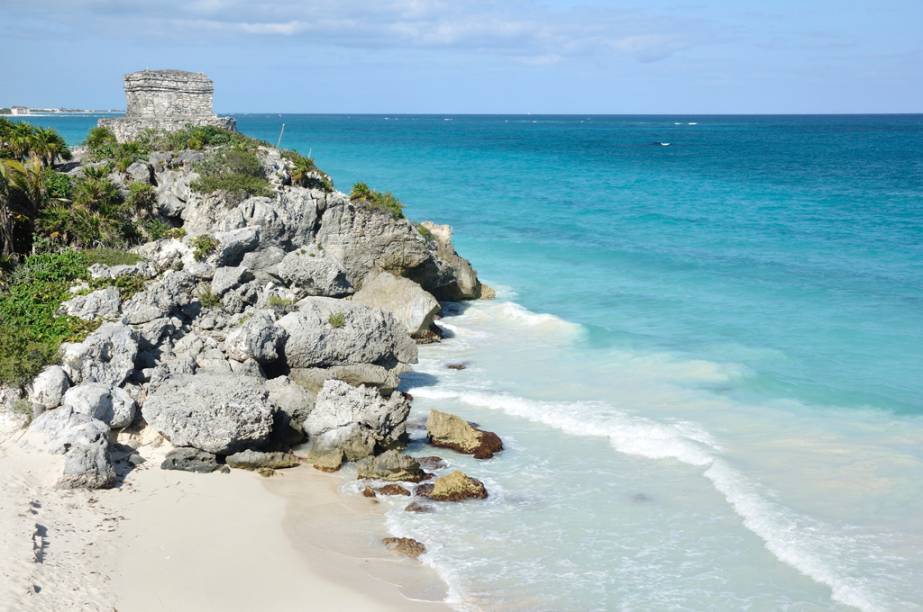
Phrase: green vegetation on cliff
(376,199)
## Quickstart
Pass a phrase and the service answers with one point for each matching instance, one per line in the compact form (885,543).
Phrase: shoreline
(182,541)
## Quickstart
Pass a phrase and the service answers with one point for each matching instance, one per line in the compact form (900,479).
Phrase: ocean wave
(795,540)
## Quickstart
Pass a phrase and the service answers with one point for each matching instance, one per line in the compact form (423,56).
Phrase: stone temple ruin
(166,100)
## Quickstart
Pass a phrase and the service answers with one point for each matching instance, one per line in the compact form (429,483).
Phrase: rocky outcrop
(218,413)
(449,431)
(405,546)
(383,379)
(413,307)
(456,486)
(392,489)
(99,304)
(448,276)
(356,419)
(391,465)
(325,332)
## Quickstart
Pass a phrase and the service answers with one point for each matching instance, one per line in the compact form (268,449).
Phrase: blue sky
(491,56)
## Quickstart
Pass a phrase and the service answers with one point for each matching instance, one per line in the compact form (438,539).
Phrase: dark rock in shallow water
(449,431)
(391,465)
(368,492)
(457,366)
(457,486)
(190,460)
(432,462)
(392,489)
(252,460)
(418,507)
(405,546)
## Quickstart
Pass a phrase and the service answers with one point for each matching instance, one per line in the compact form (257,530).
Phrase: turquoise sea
(706,358)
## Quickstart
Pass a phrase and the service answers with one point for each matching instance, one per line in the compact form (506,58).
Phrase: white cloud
(522,31)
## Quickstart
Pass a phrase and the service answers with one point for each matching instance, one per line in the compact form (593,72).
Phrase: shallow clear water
(722,408)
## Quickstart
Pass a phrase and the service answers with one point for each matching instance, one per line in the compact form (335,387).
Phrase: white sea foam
(788,536)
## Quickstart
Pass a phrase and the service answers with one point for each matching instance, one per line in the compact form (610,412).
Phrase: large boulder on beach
(84,442)
(405,546)
(357,420)
(106,356)
(254,460)
(310,271)
(449,431)
(456,486)
(326,332)
(391,465)
(218,413)
(48,388)
(384,379)
(113,406)
(413,307)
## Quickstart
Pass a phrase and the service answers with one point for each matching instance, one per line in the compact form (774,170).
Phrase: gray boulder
(234,244)
(115,407)
(357,420)
(259,339)
(413,307)
(173,192)
(99,304)
(84,442)
(229,277)
(287,221)
(218,413)
(48,388)
(325,332)
(106,356)
(291,399)
(365,239)
(446,275)
(187,459)
(310,271)
(173,294)
(263,260)
(140,172)
(144,269)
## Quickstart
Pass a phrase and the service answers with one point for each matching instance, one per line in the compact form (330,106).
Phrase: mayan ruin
(165,100)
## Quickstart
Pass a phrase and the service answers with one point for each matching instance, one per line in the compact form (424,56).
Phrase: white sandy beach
(169,540)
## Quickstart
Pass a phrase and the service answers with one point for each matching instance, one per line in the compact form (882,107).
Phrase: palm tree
(22,192)
(48,146)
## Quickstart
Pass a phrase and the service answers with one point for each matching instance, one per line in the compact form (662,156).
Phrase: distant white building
(19,110)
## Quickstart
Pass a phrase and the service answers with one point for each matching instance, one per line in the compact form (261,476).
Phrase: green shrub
(203,246)
(209,299)
(142,198)
(30,330)
(424,231)
(235,170)
(156,228)
(101,143)
(279,302)
(22,406)
(337,320)
(96,215)
(177,233)
(306,173)
(58,186)
(109,257)
(376,199)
